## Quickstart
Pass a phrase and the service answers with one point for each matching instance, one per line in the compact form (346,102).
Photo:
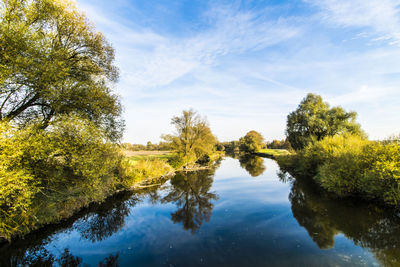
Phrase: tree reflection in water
(106,221)
(190,192)
(254,165)
(66,259)
(367,225)
(95,223)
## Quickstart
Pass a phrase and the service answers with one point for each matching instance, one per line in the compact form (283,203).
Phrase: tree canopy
(193,138)
(52,62)
(314,120)
(251,142)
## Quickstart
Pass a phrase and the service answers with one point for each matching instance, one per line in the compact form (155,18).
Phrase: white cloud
(381,16)
(155,60)
(364,94)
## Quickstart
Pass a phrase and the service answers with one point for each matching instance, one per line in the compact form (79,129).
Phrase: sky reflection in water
(239,214)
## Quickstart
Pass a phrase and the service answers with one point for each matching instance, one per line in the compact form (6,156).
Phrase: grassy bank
(272,153)
(350,166)
(62,198)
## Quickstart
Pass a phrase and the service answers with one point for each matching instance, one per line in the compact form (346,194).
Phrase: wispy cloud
(380,16)
(247,68)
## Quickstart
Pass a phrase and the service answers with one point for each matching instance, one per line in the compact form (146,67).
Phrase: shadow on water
(367,225)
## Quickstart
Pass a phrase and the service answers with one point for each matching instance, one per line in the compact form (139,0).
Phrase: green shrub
(383,175)
(17,184)
(349,165)
(341,164)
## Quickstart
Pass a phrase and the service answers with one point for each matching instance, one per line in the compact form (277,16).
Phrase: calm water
(243,213)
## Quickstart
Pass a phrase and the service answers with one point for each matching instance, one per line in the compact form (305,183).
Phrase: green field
(274,152)
(140,157)
(135,156)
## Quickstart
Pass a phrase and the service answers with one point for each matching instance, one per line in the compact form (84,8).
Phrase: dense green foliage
(53,62)
(70,156)
(48,174)
(251,142)
(314,119)
(349,165)
(193,141)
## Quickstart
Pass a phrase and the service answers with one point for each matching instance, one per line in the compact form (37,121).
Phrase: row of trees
(252,142)
(161,146)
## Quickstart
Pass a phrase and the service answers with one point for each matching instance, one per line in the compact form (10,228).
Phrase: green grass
(274,152)
(137,158)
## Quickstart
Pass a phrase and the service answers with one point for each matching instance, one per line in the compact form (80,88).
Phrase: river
(244,212)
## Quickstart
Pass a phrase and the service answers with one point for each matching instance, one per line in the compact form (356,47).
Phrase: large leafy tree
(251,142)
(52,62)
(314,119)
(193,138)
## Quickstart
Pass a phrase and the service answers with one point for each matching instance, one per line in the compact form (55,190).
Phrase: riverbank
(267,219)
(59,202)
(350,166)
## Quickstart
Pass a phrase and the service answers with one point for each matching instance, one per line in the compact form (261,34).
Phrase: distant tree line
(161,146)
(253,142)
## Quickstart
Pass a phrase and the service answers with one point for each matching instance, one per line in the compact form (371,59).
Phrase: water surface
(242,213)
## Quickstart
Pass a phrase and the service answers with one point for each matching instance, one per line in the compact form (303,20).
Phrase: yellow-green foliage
(70,162)
(193,141)
(341,163)
(251,142)
(349,165)
(53,61)
(134,171)
(383,176)
(17,184)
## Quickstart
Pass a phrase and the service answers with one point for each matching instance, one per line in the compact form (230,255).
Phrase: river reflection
(367,225)
(218,217)
(254,165)
(191,193)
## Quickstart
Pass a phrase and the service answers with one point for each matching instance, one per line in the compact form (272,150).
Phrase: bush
(349,165)
(341,164)
(17,184)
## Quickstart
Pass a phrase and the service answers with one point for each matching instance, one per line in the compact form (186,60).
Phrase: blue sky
(246,64)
